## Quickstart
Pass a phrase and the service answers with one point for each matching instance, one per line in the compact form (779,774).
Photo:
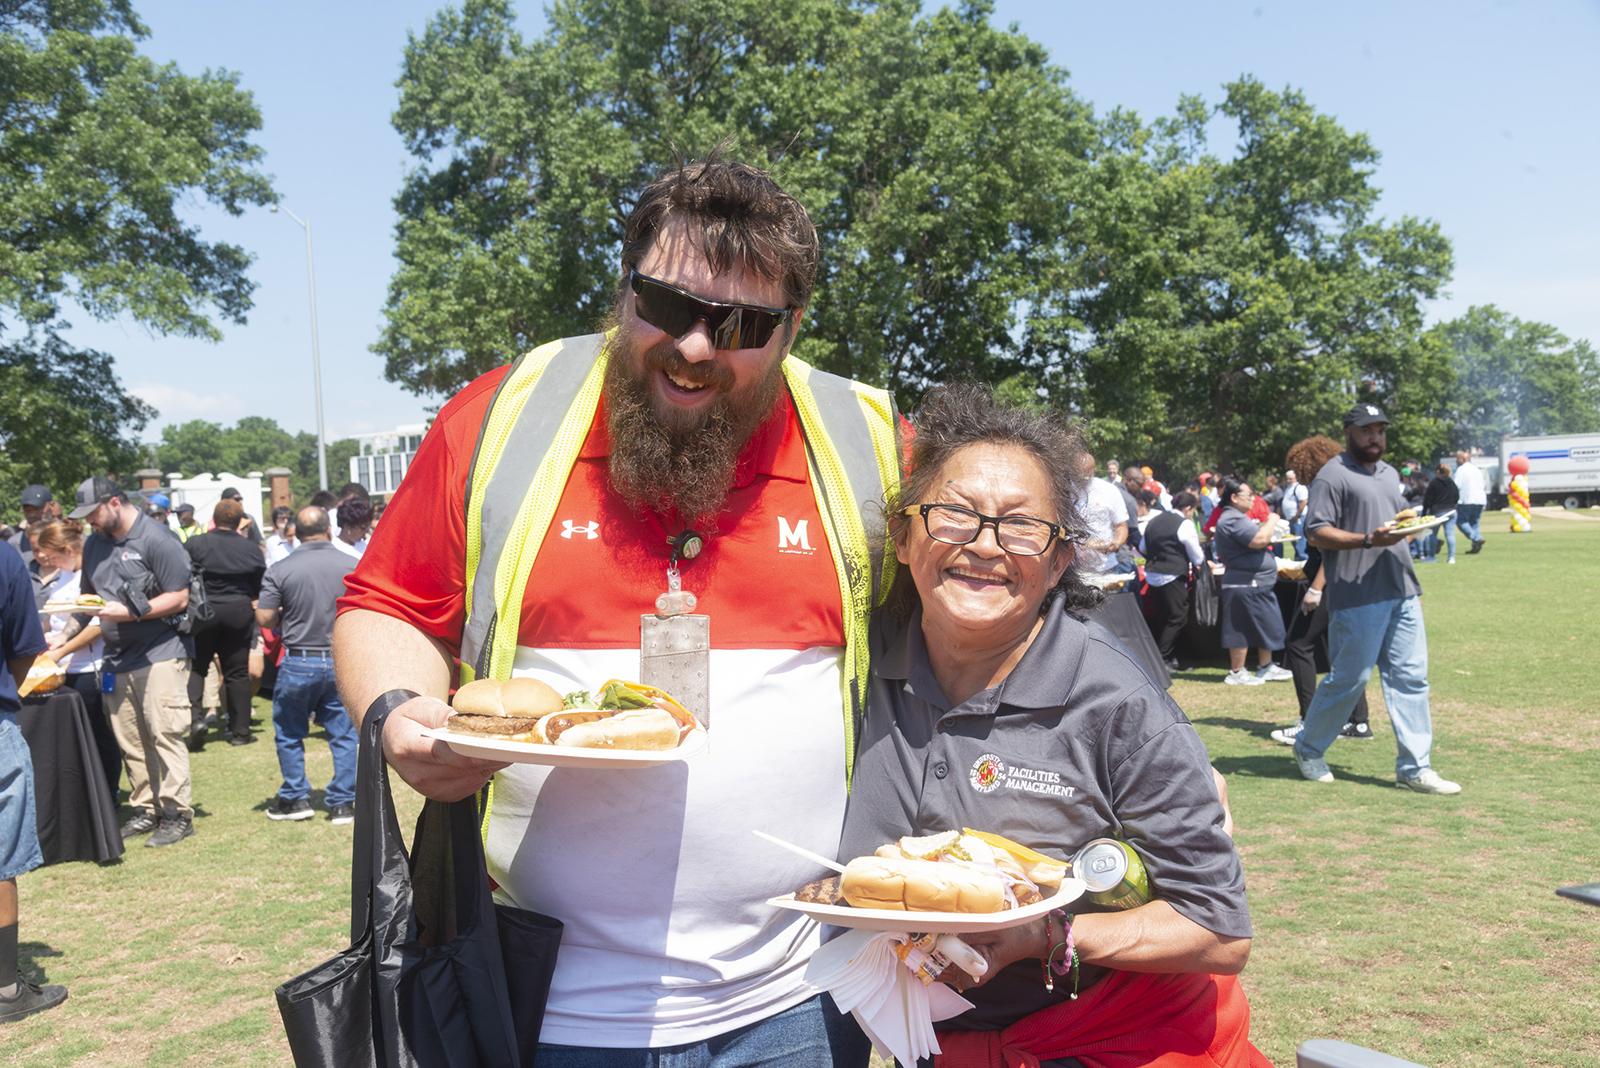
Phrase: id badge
(675,649)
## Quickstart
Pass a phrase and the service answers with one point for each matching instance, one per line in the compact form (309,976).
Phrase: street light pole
(316,352)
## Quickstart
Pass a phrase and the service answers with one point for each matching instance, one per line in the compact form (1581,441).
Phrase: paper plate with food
(44,675)
(87,604)
(525,721)
(947,883)
(1409,522)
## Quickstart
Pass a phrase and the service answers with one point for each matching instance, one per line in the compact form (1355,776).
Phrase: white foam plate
(67,609)
(931,922)
(565,756)
(1432,524)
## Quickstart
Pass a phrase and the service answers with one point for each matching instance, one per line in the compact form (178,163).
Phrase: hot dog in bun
(625,715)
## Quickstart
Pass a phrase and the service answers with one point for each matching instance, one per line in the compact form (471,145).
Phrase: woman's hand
(1309,602)
(1000,949)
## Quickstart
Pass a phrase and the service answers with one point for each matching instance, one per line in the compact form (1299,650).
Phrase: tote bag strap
(379,876)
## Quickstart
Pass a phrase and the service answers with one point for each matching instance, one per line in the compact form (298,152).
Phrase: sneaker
(1451,560)
(339,815)
(298,808)
(141,822)
(1275,673)
(1314,768)
(210,723)
(30,999)
(1428,781)
(1243,678)
(1286,735)
(1173,665)
(1361,731)
(171,829)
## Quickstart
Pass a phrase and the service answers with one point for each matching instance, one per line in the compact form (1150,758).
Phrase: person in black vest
(1170,546)
(233,567)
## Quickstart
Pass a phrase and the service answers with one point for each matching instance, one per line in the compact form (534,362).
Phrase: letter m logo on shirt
(795,539)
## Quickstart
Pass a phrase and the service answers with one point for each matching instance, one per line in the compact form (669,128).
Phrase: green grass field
(1425,927)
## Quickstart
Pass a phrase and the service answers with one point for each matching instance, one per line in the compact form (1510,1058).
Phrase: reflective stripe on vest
(526,452)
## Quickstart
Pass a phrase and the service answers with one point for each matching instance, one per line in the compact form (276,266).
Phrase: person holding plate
(994,705)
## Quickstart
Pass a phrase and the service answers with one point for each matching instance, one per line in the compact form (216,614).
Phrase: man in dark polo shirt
(298,597)
(1374,607)
(143,573)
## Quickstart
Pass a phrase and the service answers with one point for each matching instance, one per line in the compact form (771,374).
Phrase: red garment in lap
(1127,1020)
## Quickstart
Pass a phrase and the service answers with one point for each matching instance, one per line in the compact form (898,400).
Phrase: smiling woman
(985,684)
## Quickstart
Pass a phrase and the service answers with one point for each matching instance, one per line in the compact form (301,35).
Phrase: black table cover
(77,818)
(1120,614)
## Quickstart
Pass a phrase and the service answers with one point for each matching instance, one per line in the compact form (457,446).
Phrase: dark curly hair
(954,417)
(1306,456)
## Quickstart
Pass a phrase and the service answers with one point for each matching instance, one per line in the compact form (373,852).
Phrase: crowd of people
(881,701)
(180,603)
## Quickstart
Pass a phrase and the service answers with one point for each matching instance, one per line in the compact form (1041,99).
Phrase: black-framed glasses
(1019,535)
(732,326)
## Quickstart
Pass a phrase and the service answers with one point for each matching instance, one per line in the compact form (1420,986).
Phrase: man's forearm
(374,653)
(1330,537)
(167,604)
(267,617)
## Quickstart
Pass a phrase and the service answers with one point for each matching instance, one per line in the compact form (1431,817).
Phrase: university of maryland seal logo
(987,772)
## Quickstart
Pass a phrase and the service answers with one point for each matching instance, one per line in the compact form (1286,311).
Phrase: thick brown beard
(686,469)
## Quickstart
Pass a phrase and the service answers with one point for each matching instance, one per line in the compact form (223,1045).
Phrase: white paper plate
(1110,581)
(565,756)
(931,922)
(1432,524)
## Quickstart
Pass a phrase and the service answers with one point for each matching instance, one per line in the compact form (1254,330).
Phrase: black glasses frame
(983,521)
(675,311)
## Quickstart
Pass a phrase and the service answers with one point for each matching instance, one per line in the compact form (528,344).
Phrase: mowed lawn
(1425,927)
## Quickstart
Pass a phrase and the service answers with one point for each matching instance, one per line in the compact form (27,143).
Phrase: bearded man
(683,438)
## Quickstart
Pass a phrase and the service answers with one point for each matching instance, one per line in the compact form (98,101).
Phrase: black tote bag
(436,973)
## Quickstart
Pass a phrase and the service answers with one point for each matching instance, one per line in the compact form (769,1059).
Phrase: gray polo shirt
(1346,496)
(150,560)
(305,585)
(1245,566)
(1075,744)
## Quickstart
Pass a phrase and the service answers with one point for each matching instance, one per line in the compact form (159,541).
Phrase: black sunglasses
(732,326)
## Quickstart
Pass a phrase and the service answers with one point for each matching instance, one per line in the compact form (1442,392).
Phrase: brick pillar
(149,478)
(278,491)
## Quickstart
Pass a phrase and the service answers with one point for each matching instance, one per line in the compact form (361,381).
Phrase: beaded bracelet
(1067,952)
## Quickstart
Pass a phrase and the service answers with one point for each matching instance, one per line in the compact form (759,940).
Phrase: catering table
(1119,613)
(77,817)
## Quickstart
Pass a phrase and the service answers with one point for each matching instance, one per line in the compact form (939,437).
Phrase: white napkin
(867,980)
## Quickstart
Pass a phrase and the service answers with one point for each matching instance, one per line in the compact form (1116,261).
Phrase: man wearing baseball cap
(143,574)
(187,527)
(38,505)
(1374,607)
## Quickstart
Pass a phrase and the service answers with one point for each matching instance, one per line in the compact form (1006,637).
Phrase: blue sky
(1483,112)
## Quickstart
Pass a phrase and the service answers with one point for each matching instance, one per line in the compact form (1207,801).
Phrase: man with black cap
(1374,605)
(187,527)
(38,505)
(248,527)
(143,574)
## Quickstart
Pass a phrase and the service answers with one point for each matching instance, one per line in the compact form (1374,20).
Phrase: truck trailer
(1563,469)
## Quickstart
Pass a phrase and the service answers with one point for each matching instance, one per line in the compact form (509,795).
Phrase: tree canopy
(253,443)
(1516,377)
(100,149)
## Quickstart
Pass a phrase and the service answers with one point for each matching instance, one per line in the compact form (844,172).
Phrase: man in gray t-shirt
(1374,607)
(142,572)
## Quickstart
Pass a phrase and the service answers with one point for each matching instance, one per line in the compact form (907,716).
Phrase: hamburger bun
(902,885)
(507,708)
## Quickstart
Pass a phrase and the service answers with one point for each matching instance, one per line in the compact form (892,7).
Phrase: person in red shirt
(668,943)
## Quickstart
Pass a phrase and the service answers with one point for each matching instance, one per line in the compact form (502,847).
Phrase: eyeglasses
(1019,535)
(732,326)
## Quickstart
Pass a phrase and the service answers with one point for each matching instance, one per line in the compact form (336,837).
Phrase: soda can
(1112,874)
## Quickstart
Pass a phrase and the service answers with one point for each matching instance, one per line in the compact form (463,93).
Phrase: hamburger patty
(476,724)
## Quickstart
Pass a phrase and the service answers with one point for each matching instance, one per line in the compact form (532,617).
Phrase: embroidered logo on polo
(795,539)
(589,531)
(989,774)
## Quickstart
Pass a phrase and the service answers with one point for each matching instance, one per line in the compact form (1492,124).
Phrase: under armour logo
(590,530)
(793,539)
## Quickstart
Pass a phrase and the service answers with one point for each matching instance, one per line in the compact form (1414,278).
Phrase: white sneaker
(1286,735)
(1243,678)
(1314,768)
(1428,781)
(1274,673)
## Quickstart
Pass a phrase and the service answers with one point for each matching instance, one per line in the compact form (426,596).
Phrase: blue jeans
(1431,548)
(813,1034)
(1391,636)
(304,688)
(1467,516)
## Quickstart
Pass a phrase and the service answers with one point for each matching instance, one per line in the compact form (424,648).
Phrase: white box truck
(1563,469)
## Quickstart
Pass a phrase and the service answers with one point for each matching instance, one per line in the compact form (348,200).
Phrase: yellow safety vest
(529,442)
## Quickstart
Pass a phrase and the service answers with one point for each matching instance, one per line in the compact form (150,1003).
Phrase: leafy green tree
(1516,377)
(937,154)
(100,147)
(253,443)
(1225,307)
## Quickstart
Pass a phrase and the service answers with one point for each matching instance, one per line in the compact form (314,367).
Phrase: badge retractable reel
(675,642)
